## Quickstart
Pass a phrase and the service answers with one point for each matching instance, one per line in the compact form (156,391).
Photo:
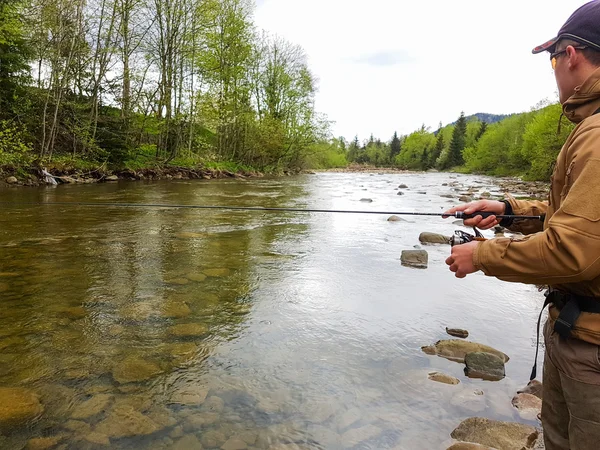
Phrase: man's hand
(461,259)
(481,205)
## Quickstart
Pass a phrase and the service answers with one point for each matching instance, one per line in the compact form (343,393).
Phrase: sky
(386,66)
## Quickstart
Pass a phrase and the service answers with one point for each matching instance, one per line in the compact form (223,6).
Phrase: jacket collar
(586,99)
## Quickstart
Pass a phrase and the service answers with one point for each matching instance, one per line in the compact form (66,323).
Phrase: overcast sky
(392,65)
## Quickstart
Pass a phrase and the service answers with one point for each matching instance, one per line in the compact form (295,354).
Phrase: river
(162,328)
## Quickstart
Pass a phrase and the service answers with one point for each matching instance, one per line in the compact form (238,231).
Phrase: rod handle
(483,214)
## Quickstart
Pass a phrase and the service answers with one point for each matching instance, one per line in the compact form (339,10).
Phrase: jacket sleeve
(568,250)
(527,208)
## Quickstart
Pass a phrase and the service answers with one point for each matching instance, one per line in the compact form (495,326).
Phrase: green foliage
(416,149)
(14,150)
(542,141)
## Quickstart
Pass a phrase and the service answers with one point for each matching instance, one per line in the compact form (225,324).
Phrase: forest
(131,84)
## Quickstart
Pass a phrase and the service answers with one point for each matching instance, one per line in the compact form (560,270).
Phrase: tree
(439,147)
(395,147)
(482,129)
(457,144)
(14,54)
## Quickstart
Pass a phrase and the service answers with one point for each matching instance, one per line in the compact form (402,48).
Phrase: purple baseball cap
(583,26)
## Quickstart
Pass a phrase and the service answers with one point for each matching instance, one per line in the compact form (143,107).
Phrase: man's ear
(574,57)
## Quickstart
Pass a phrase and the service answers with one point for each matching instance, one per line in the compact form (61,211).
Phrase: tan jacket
(565,252)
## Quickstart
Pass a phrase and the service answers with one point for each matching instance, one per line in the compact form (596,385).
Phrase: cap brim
(545,46)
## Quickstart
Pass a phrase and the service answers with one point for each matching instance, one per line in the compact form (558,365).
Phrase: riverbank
(36,176)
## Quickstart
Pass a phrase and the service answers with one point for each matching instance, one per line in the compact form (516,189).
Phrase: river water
(166,328)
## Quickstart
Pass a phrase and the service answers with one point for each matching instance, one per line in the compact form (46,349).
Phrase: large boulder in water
(18,406)
(414,258)
(496,434)
(484,365)
(456,349)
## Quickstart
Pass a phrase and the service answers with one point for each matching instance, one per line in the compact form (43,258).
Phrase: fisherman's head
(575,51)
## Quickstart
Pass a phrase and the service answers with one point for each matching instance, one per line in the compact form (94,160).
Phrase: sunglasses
(555,55)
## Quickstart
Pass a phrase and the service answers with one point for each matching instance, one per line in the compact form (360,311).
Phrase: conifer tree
(457,144)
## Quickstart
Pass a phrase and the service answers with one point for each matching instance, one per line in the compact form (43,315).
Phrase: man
(563,252)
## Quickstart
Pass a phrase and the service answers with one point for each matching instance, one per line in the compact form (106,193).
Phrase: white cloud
(386,66)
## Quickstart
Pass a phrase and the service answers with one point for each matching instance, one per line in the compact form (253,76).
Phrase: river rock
(214,404)
(355,436)
(456,349)
(43,443)
(213,438)
(414,258)
(126,422)
(534,387)
(528,405)
(402,186)
(91,407)
(176,310)
(366,200)
(484,365)
(400,193)
(198,277)
(443,378)
(485,195)
(433,238)
(465,199)
(18,406)
(189,442)
(396,219)
(112,178)
(469,446)
(190,396)
(349,418)
(188,330)
(134,369)
(468,401)
(218,272)
(97,438)
(457,332)
(11,180)
(496,434)
(234,444)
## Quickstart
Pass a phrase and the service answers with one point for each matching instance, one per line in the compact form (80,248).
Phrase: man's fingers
(459,274)
(449,260)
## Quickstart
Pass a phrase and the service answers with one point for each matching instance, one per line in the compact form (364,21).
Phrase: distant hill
(489,118)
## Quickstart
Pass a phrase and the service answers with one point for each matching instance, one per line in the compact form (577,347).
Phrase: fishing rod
(457,215)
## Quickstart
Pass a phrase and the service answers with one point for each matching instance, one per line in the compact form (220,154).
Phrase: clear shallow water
(280,330)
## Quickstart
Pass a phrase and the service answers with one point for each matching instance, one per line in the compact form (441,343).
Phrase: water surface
(279,330)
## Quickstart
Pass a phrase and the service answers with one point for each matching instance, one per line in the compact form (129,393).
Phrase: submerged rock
(18,406)
(402,186)
(366,200)
(456,349)
(188,330)
(218,272)
(484,365)
(134,370)
(465,199)
(443,378)
(528,405)
(457,332)
(396,219)
(496,434)
(469,446)
(43,443)
(534,387)
(414,258)
(433,238)
(126,422)
(91,407)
